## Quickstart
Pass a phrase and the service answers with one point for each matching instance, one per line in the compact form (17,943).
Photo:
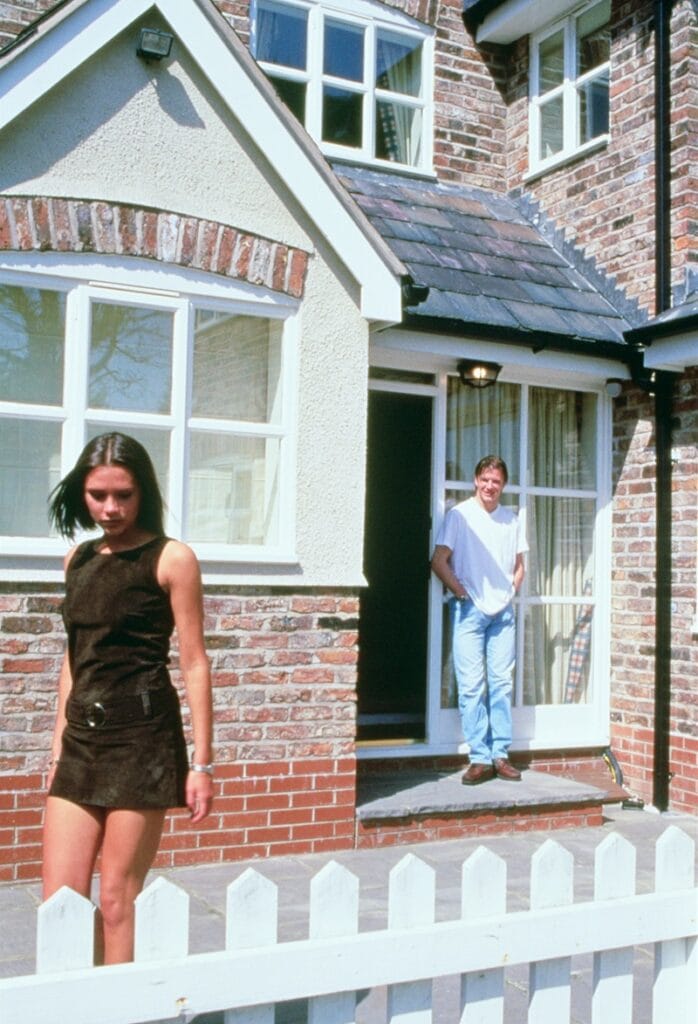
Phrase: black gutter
(663,412)
(536,341)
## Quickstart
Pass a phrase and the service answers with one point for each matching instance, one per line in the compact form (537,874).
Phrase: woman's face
(113,500)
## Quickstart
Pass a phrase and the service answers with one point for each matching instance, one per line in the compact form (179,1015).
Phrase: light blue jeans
(484,651)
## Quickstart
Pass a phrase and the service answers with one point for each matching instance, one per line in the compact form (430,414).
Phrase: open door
(393,624)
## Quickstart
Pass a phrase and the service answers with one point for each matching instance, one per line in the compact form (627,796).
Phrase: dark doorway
(393,624)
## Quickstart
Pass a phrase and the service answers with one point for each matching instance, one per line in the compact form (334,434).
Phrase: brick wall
(284,684)
(633,609)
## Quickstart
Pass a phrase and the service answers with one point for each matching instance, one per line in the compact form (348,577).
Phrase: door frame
(397,352)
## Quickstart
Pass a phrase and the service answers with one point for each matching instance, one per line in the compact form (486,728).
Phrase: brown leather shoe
(506,770)
(476,773)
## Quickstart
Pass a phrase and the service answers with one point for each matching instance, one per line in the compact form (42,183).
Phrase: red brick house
(279,273)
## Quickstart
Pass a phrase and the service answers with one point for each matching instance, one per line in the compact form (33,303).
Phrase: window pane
(233,489)
(155,442)
(292,93)
(593,108)
(557,655)
(398,64)
(130,358)
(398,133)
(281,34)
(562,438)
(341,116)
(30,462)
(343,55)
(551,58)
(551,127)
(481,422)
(593,37)
(237,367)
(560,535)
(32,329)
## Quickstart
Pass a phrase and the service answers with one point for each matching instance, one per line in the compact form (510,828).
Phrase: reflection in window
(130,358)
(32,329)
(200,387)
(234,489)
(237,367)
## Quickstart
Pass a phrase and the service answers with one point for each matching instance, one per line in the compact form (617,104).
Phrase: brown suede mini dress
(123,744)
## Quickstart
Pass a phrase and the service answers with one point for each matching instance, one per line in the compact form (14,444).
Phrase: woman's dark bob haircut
(67,508)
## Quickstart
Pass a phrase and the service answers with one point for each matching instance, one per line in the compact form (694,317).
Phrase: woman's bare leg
(129,845)
(72,838)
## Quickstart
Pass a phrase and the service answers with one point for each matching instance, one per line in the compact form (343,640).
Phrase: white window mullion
(76,370)
(369,102)
(182,364)
(313,99)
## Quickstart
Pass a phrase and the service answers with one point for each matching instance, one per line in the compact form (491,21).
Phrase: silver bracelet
(206,768)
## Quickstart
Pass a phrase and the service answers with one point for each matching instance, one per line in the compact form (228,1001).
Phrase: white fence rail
(336,962)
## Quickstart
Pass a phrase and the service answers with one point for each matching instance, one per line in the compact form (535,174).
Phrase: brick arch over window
(49,224)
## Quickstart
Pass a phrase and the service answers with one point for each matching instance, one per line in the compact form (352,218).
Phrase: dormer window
(359,83)
(570,65)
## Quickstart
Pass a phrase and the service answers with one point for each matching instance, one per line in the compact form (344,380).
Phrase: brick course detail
(284,724)
(45,224)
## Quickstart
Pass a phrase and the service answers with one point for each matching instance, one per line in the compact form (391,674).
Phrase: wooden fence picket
(675,988)
(411,902)
(334,911)
(612,984)
(483,895)
(552,873)
(65,932)
(251,920)
(162,922)
(328,968)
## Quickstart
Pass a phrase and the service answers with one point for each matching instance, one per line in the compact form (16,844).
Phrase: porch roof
(491,272)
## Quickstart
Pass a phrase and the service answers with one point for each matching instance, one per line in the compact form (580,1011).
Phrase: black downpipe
(663,411)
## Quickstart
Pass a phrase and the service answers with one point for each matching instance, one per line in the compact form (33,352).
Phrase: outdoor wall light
(478,374)
(154,44)
(614,386)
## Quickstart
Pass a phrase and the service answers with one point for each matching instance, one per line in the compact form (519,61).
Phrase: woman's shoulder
(177,562)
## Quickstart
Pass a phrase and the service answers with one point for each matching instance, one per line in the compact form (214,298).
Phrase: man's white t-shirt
(484,546)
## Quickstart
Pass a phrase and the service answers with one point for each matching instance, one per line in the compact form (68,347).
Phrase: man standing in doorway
(479,557)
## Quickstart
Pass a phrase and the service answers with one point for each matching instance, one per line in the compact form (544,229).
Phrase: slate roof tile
(484,261)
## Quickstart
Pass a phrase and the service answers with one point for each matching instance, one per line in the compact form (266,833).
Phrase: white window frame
(370,17)
(181,292)
(568,90)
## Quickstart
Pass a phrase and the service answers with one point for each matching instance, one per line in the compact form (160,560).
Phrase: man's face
(488,488)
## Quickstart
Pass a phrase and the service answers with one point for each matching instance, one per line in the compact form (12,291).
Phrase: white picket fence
(336,962)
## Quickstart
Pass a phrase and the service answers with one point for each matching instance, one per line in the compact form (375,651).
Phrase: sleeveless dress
(123,744)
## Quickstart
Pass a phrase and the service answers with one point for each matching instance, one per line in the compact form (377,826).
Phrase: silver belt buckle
(96,715)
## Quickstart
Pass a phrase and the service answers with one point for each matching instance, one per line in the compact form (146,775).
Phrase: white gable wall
(122,131)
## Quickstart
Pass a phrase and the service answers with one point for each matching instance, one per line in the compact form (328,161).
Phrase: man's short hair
(492,462)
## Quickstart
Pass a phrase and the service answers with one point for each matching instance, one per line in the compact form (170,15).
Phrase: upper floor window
(361,87)
(202,384)
(570,64)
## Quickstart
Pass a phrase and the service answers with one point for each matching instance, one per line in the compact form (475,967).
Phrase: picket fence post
(65,933)
(483,894)
(612,983)
(251,921)
(335,962)
(675,988)
(411,902)
(552,876)
(334,911)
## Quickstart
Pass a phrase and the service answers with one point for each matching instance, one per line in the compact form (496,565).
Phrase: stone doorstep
(390,798)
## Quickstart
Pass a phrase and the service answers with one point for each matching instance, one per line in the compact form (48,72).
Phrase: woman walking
(119,757)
